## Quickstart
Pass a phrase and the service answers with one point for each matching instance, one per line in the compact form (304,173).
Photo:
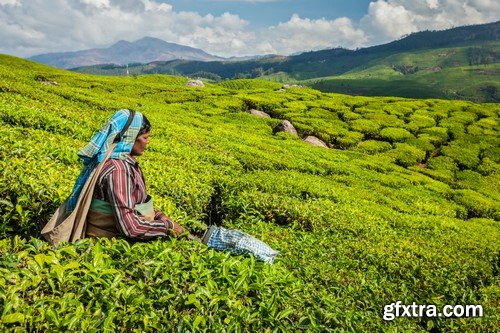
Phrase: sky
(228,27)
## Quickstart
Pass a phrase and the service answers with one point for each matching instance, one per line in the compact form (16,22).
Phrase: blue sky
(228,27)
(265,13)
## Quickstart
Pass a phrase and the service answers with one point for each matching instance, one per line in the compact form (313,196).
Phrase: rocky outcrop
(195,83)
(312,140)
(258,113)
(435,69)
(49,83)
(43,80)
(289,86)
(285,126)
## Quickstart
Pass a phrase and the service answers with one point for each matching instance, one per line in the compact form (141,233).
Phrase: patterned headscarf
(95,151)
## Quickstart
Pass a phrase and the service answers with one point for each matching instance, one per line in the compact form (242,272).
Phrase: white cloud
(433,4)
(10,2)
(97,3)
(390,19)
(251,1)
(40,26)
(299,34)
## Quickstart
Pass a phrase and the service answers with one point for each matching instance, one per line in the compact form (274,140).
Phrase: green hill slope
(470,72)
(403,206)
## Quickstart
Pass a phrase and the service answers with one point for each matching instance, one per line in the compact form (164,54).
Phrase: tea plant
(403,206)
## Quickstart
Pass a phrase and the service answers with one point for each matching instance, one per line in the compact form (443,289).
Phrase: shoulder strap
(120,135)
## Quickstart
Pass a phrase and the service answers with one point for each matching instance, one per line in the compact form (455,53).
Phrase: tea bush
(423,143)
(466,155)
(365,126)
(372,220)
(349,140)
(385,120)
(422,121)
(406,155)
(488,167)
(394,134)
(374,146)
(477,205)
(442,163)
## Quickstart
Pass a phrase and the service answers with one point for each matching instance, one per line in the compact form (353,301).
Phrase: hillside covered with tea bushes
(403,205)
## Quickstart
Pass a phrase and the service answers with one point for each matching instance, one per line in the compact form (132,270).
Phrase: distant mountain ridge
(316,64)
(458,63)
(144,50)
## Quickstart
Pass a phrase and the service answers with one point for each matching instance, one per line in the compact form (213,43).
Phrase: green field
(403,206)
(470,73)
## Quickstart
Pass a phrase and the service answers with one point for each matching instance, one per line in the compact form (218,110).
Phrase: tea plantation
(403,206)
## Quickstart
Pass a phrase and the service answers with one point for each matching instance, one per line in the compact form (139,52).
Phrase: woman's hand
(174,229)
(177,229)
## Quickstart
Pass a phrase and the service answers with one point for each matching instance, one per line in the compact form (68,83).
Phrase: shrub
(335,128)
(440,111)
(263,103)
(365,126)
(412,127)
(296,106)
(423,112)
(466,155)
(462,117)
(477,205)
(366,110)
(455,130)
(316,112)
(394,134)
(439,133)
(474,129)
(349,115)
(441,175)
(373,146)
(232,105)
(422,121)
(436,142)
(468,179)
(442,163)
(493,154)
(488,167)
(422,143)
(487,122)
(281,113)
(398,110)
(406,155)
(385,120)
(247,84)
(350,139)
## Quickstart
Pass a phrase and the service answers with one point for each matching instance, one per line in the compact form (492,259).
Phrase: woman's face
(140,144)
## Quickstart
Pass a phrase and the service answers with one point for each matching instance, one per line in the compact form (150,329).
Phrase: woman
(120,204)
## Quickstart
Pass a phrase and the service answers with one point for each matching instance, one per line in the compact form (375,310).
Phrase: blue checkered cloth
(238,243)
(95,151)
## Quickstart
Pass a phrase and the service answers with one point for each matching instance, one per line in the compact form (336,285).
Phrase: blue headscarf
(95,151)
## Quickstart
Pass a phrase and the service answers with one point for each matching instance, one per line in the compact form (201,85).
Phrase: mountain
(335,61)
(427,64)
(144,50)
